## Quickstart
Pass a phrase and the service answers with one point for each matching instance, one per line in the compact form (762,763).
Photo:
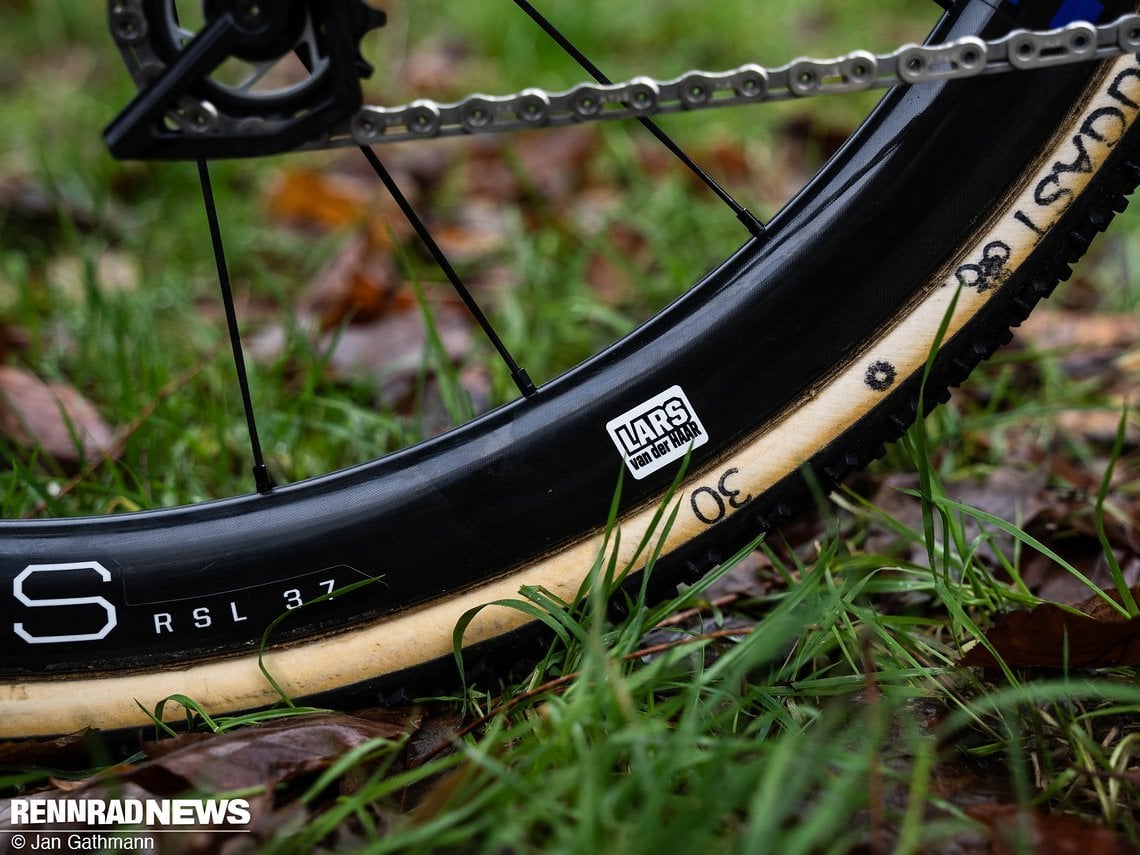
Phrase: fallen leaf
(12,340)
(1063,329)
(1096,607)
(392,348)
(1052,582)
(357,285)
(260,757)
(730,160)
(267,754)
(480,231)
(612,282)
(329,201)
(53,417)
(750,578)
(1086,343)
(1009,492)
(437,66)
(321,199)
(1005,491)
(1099,425)
(1051,636)
(965,780)
(1015,829)
(552,166)
(263,760)
(72,751)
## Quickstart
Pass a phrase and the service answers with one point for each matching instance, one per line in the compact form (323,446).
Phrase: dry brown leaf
(1006,490)
(613,283)
(268,754)
(557,165)
(551,165)
(438,66)
(1063,329)
(12,340)
(327,200)
(1010,492)
(357,285)
(261,756)
(319,199)
(51,416)
(60,752)
(258,758)
(392,348)
(730,159)
(369,323)
(1089,343)
(481,231)
(1098,426)
(1050,636)
(1015,829)
(1053,582)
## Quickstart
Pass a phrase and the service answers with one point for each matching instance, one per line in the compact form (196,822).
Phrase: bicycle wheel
(804,348)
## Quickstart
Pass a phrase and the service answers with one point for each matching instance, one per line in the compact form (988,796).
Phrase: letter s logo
(677,411)
(109,624)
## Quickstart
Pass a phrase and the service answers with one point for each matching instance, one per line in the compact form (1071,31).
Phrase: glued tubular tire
(804,347)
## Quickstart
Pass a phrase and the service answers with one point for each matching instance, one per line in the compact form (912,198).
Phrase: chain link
(747,84)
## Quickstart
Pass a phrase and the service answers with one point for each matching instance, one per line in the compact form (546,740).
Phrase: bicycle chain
(748,84)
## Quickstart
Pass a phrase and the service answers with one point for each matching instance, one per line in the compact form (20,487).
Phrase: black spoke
(754,226)
(260,471)
(518,374)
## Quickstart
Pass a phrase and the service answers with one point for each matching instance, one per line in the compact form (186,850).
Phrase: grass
(708,745)
(819,717)
(821,710)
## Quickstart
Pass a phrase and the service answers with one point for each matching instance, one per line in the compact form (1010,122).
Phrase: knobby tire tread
(854,451)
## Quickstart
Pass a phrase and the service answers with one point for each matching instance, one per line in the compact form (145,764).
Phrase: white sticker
(657,432)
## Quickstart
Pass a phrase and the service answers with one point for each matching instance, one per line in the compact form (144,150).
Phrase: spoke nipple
(523,381)
(755,227)
(262,478)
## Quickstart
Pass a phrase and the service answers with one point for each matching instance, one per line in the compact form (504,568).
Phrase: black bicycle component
(183,115)
(518,374)
(271,32)
(746,217)
(261,476)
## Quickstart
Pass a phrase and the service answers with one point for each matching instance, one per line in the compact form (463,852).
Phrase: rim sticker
(655,433)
